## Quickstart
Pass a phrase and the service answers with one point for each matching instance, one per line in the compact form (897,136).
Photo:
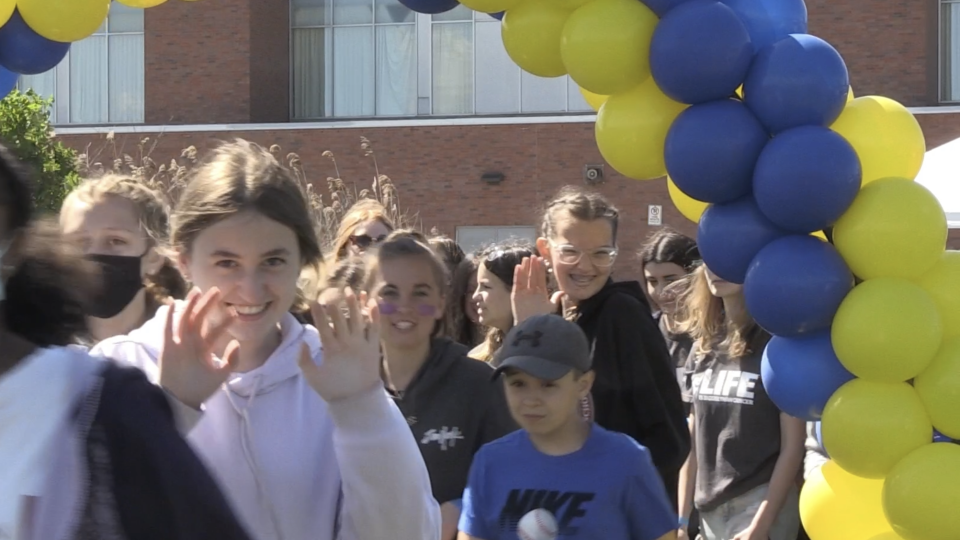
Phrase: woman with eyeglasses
(449,400)
(495,269)
(364,225)
(636,389)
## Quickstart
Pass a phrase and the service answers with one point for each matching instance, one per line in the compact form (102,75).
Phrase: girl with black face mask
(89,448)
(118,222)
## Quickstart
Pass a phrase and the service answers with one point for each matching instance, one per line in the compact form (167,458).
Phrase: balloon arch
(754,123)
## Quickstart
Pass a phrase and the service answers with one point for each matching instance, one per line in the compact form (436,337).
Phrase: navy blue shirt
(608,489)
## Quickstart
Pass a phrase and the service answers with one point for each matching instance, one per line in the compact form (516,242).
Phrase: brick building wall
(227,62)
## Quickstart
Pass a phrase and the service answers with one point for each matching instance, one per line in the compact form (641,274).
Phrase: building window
(362,58)
(949,50)
(101,79)
(472,238)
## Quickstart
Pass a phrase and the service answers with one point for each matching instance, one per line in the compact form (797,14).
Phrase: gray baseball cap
(545,346)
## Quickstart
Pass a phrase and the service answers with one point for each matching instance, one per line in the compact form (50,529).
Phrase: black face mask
(121,283)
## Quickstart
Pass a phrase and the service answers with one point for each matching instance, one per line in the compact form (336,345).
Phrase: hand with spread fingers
(189,369)
(351,350)
(529,296)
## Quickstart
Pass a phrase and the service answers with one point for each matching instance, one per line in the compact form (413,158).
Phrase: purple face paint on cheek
(427,310)
(387,308)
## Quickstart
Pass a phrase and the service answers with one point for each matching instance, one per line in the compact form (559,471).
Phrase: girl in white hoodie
(295,465)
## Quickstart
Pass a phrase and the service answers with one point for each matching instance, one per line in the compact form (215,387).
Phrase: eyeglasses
(363,241)
(601,258)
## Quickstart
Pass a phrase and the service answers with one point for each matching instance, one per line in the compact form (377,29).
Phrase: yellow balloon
(143,4)
(573,4)
(632,129)
(894,228)
(491,6)
(6,10)
(606,45)
(920,496)
(821,235)
(886,137)
(939,388)
(942,283)
(868,427)
(850,95)
(887,330)
(531,35)
(739,91)
(889,535)
(836,505)
(594,100)
(64,20)
(691,208)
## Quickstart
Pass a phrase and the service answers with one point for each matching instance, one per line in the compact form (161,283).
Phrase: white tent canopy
(940,174)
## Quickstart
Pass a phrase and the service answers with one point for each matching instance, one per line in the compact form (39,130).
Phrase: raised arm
(386,488)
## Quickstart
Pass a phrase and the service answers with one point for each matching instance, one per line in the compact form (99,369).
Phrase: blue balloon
(798,81)
(662,7)
(940,437)
(498,15)
(430,7)
(806,178)
(26,52)
(800,374)
(700,52)
(731,234)
(795,285)
(769,21)
(711,150)
(8,81)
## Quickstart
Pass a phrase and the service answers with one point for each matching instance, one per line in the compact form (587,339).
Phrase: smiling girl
(449,400)
(120,224)
(495,271)
(636,390)
(308,451)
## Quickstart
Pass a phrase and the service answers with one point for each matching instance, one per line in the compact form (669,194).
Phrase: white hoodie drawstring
(246,435)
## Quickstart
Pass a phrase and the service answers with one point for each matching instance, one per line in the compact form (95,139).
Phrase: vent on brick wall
(492,178)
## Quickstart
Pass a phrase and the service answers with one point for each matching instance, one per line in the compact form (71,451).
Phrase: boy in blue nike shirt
(597,484)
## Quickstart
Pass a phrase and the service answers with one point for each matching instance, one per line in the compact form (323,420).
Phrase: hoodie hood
(434,371)
(591,306)
(280,366)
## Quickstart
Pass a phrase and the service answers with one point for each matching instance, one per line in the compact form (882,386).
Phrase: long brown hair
(501,260)
(240,176)
(701,316)
(361,212)
(154,215)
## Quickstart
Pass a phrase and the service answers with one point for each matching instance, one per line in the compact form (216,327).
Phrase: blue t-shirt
(608,489)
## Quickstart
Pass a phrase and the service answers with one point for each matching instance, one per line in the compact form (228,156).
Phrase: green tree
(25,127)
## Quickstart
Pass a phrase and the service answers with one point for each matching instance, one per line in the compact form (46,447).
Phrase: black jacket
(144,481)
(636,390)
(453,408)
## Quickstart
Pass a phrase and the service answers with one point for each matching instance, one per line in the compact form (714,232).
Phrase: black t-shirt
(737,425)
(679,347)
(453,408)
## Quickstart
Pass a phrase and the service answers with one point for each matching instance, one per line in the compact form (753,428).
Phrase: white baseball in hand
(538,525)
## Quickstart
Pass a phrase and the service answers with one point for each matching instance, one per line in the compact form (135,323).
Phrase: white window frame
(424,32)
(61,107)
(943,71)
(497,234)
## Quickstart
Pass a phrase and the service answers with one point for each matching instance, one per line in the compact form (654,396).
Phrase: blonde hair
(701,316)
(154,216)
(361,212)
(409,244)
(240,176)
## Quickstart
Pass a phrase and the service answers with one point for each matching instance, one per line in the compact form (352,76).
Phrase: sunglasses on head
(365,240)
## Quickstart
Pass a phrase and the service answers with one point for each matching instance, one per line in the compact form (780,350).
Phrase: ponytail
(163,286)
